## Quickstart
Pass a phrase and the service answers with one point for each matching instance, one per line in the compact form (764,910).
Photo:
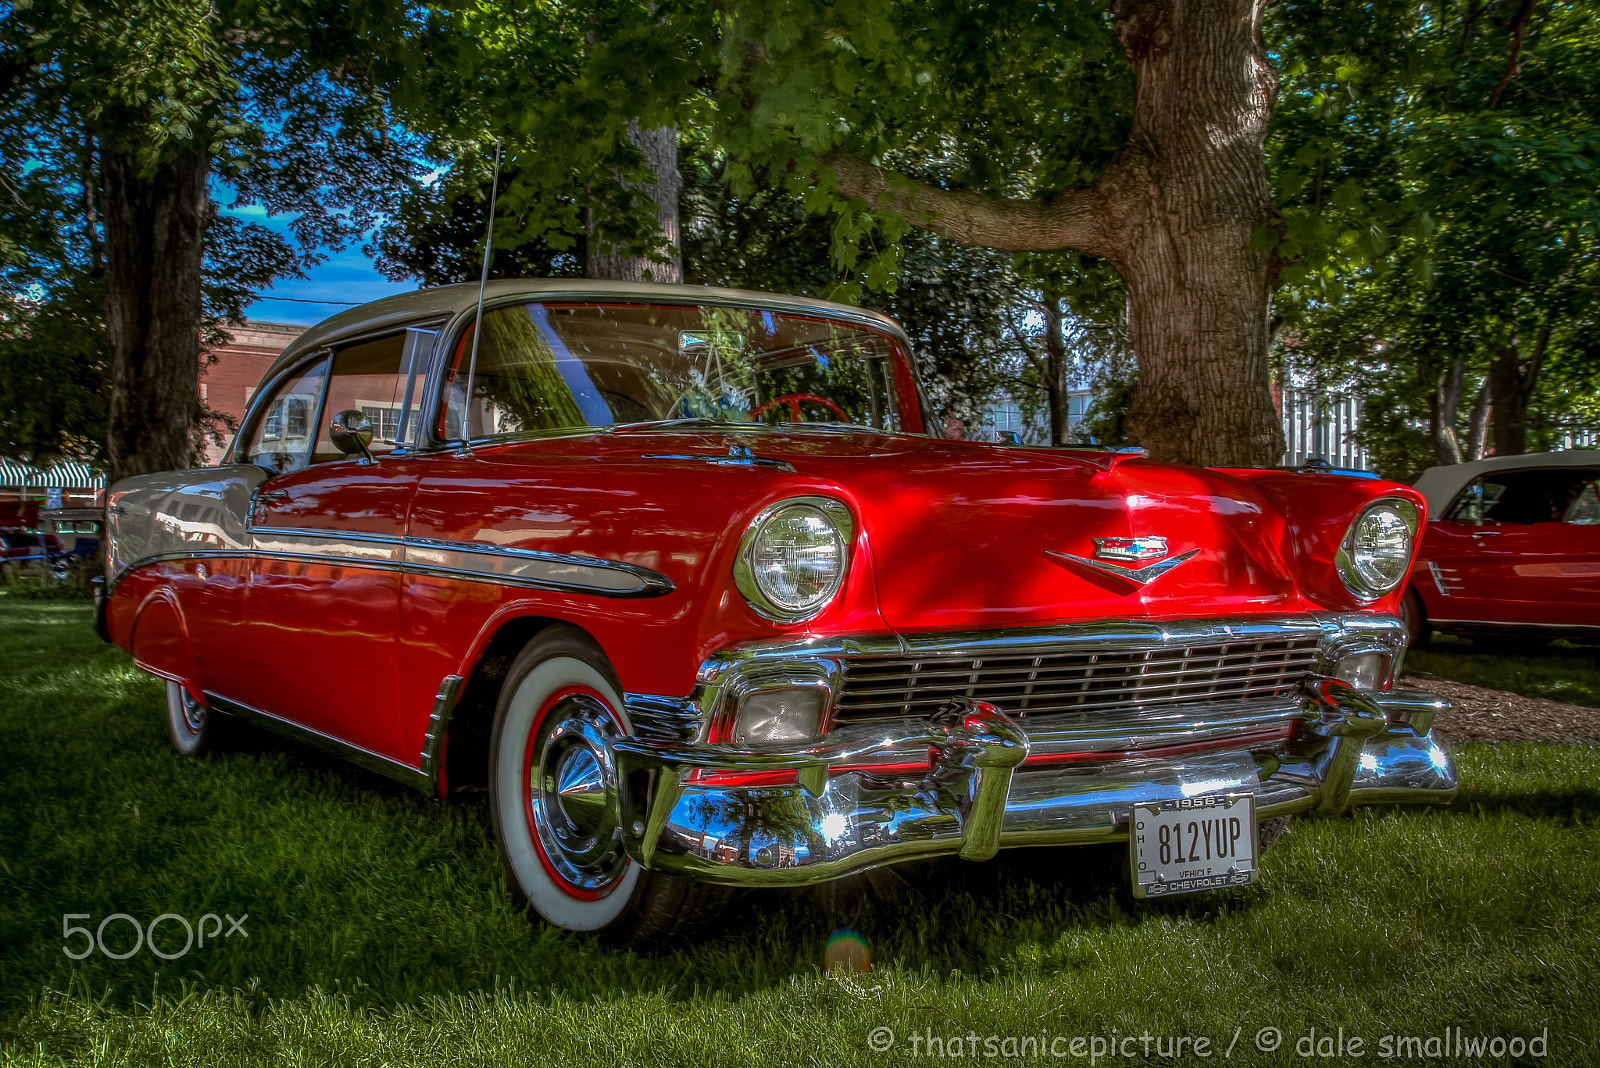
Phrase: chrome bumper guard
(1328,748)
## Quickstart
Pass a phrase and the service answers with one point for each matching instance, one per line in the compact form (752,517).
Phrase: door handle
(1485,533)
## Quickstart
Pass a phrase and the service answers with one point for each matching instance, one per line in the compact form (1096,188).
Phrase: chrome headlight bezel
(746,578)
(1357,576)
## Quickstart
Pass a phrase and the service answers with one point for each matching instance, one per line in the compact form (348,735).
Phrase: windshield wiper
(692,421)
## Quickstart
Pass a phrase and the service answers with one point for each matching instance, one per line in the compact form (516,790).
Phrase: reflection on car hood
(973,534)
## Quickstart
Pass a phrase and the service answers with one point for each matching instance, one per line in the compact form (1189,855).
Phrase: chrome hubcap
(573,794)
(194,713)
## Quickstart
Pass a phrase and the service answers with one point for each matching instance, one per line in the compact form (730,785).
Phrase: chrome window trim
(472,561)
(327,350)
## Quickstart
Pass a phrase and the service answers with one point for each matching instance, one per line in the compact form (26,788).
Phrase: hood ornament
(1132,550)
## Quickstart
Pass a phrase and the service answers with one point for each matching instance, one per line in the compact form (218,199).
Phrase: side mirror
(351,433)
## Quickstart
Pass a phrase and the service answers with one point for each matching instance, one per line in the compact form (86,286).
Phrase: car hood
(964,534)
(967,534)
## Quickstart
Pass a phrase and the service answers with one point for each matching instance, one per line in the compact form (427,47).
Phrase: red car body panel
(964,527)
(949,536)
(1547,574)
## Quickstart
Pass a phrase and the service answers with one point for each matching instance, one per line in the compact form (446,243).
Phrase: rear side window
(1547,495)
(1585,508)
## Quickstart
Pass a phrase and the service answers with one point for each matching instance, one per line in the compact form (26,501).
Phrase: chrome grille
(1077,681)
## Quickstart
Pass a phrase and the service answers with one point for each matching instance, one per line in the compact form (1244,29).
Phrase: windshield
(545,367)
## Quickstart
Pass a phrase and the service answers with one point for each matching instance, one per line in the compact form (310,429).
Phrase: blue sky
(347,276)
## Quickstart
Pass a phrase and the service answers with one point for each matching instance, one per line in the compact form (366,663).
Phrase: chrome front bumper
(1321,751)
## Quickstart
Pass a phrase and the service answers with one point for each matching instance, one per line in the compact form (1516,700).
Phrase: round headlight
(792,557)
(1376,550)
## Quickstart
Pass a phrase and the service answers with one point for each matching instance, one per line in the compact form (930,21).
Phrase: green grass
(381,931)
(1561,670)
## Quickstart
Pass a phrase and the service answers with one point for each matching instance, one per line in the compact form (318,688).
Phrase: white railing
(1322,427)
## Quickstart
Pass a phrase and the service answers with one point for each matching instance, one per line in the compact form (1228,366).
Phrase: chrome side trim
(473,561)
(369,550)
(355,754)
(529,567)
(444,706)
(1491,624)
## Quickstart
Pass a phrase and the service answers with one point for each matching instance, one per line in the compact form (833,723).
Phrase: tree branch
(1070,219)
(1514,65)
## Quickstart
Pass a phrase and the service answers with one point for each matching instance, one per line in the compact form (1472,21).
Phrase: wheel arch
(466,754)
(159,641)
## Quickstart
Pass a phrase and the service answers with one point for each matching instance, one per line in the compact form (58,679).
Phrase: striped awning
(68,474)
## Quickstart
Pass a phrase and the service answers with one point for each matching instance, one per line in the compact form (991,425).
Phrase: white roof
(1440,485)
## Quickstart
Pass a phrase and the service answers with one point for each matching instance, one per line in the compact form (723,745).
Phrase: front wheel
(555,800)
(1415,619)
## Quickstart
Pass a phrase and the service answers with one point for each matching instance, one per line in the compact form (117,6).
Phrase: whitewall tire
(553,785)
(554,802)
(191,724)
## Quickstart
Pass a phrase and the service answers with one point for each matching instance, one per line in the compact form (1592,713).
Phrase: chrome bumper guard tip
(842,813)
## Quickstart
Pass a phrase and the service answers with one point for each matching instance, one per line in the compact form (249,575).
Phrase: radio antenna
(477,322)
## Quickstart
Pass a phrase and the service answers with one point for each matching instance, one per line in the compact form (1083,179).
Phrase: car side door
(1547,573)
(1529,565)
(327,547)
(1447,574)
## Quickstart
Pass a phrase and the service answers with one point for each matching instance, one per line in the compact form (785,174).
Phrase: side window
(1546,495)
(1585,507)
(282,436)
(383,380)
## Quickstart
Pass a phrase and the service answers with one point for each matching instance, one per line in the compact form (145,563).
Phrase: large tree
(1133,134)
(138,111)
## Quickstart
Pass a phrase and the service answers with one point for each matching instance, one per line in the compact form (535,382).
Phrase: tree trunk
(1478,424)
(1512,381)
(607,257)
(1192,187)
(1055,367)
(1175,212)
(154,248)
(1443,405)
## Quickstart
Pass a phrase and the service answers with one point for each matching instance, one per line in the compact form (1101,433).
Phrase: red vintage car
(26,546)
(687,581)
(1514,549)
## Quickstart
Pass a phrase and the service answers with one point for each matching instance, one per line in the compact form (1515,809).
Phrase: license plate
(1193,843)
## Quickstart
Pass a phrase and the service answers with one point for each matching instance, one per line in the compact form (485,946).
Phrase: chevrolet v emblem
(1130,548)
(1124,578)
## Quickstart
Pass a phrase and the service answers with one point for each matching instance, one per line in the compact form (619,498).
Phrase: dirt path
(1485,715)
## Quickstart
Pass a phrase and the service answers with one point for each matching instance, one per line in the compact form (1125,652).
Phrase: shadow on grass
(355,884)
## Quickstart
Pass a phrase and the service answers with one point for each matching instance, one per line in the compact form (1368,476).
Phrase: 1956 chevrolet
(687,581)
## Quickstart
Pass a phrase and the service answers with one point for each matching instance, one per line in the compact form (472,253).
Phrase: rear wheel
(194,727)
(554,800)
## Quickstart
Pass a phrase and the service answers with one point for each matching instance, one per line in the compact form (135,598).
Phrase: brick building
(228,383)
